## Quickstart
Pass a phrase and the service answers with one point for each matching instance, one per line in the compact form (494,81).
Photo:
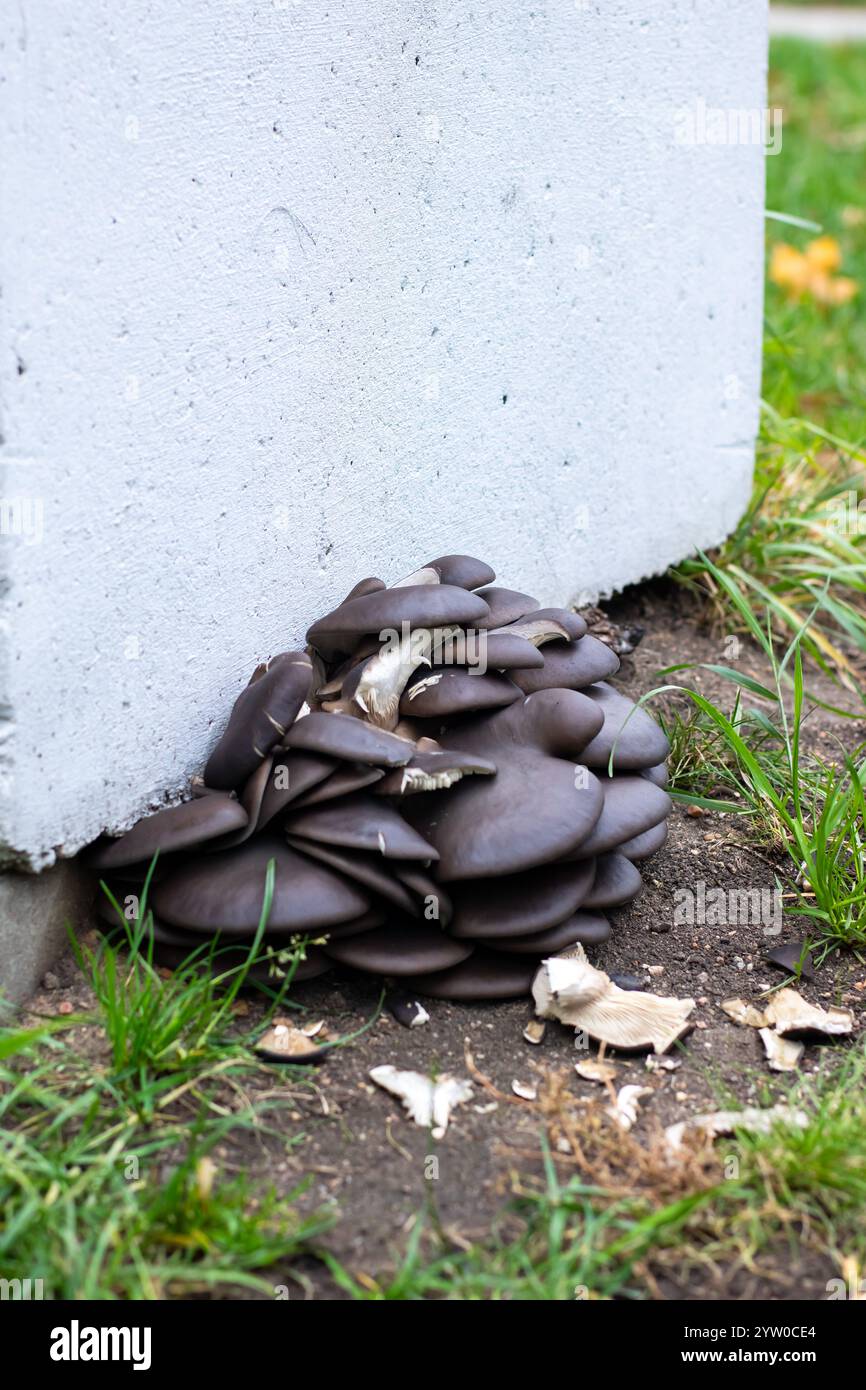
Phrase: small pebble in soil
(626,981)
(50,980)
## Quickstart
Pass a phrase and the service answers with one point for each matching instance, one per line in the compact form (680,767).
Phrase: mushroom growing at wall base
(449,790)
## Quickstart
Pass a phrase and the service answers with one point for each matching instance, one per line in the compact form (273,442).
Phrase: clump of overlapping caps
(432,777)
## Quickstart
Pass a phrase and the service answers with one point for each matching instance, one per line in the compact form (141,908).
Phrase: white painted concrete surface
(296,293)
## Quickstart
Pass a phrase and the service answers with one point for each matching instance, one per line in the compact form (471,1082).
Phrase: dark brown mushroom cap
(361,866)
(430,893)
(632,735)
(351,777)
(631,806)
(505,606)
(485,975)
(573,623)
(224,892)
(261,715)
(364,587)
(440,691)
(647,843)
(161,931)
(419,605)
(433,768)
(521,903)
(539,807)
(373,918)
(616,881)
(589,928)
(251,798)
(504,650)
(348,739)
(363,822)
(399,949)
(570,666)
(292,774)
(463,570)
(174,828)
(538,631)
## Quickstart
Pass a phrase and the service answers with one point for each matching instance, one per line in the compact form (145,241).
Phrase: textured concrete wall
(295,293)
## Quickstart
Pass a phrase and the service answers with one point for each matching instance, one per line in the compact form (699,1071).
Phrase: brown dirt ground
(365,1156)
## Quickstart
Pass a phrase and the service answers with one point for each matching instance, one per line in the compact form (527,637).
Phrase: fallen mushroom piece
(570,666)
(792,1016)
(596,1069)
(741,1011)
(534,1031)
(340,736)
(793,956)
(629,733)
(429,1103)
(406,1009)
(284,1043)
(571,990)
(753,1120)
(782,1053)
(624,1112)
(259,719)
(653,1063)
(174,828)
(524,1091)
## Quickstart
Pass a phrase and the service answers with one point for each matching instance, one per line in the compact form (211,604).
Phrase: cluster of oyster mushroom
(449,788)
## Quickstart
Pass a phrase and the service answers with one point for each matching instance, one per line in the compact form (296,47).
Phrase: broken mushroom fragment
(283,1042)
(782,1053)
(792,1016)
(427,1101)
(574,992)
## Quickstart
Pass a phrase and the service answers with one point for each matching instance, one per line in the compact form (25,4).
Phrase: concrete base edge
(35,910)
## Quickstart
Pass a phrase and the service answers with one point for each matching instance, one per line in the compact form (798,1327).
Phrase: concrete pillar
(298,293)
